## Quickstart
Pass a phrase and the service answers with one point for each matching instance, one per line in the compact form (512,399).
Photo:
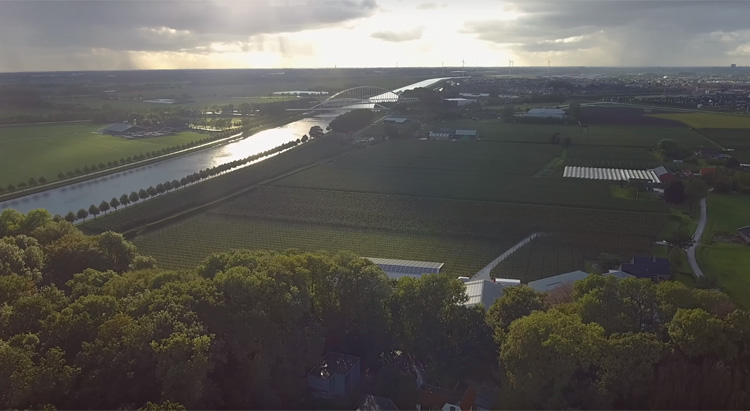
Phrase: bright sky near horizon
(155,34)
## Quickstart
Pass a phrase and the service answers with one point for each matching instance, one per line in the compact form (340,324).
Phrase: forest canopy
(86,322)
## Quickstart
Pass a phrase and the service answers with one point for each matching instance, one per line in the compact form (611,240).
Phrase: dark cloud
(398,36)
(137,25)
(628,32)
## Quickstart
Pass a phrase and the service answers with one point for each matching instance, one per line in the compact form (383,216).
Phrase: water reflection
(81,195)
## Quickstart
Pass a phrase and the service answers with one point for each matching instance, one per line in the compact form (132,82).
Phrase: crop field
(708,120)
(726,213)
(728,265)
(610,157)
(223,185)
(509,222)
(557,254)
(600,135)
(464,186)
(477,157)
(623,116)
(465,235)
(184,244)
(35,151)
(736,138)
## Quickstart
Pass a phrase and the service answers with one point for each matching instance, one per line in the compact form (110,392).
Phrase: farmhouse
(334,376)
(120,129)
(744,233)
(405,268)
(545,113)
(655,268)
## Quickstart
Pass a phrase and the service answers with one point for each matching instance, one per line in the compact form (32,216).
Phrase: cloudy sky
(42,35)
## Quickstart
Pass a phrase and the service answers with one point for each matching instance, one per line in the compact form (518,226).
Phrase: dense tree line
(352,121)
(86,322)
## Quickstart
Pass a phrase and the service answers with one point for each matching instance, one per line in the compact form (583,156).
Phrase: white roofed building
(395,268)
(550,283)
(483,292)
(545,113)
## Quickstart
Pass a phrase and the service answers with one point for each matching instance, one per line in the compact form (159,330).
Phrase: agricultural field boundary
(484,273)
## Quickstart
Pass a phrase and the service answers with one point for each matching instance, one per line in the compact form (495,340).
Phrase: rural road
(697,238)
(484,273)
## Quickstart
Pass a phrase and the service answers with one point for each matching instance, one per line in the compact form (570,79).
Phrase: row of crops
(465,186)
(549,256)
(477,157)
(184,244)
(432,216)
(223,185)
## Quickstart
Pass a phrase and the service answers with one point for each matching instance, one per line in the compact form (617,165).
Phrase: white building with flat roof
(545,113)
(395,268)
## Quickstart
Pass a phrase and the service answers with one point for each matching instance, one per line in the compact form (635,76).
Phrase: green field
(601,135)
(46,150)
(726,213)
(184,244)
(708,120)
(737,139)
(465,235)
(727,263)
(557,254)
(610,157)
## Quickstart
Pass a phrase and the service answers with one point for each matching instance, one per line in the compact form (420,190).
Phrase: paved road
(697,237)
(484,273)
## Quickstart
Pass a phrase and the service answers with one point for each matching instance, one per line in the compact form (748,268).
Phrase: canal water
(81,195)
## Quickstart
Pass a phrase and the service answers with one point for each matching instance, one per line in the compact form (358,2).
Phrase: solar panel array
(613,174)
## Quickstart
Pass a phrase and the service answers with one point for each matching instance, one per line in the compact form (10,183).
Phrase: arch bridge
(366,97)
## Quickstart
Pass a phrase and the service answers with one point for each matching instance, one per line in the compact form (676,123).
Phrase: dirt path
(484,273)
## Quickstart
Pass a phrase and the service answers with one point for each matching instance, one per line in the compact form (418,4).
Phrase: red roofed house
(708,170)
(461,398)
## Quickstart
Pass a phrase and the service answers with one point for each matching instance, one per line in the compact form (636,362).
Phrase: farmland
(464,186)
(557,254)
(599,135)
(708,120)
(610,157)
(465,235)
(727,263)
(184,244)
(46,150)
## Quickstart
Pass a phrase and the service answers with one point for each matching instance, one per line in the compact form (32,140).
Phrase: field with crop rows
(548,256)
(223,185)
(477,157)
(464,186)
(610,157)
(184,244)
(708,120)
(599,135)
(509,222)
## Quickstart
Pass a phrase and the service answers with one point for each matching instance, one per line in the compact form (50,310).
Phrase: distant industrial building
(545,113)
(395,268)
(121,129)
(474,95)
(161,101)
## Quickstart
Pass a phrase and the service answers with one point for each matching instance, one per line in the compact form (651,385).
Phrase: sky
(39,35)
